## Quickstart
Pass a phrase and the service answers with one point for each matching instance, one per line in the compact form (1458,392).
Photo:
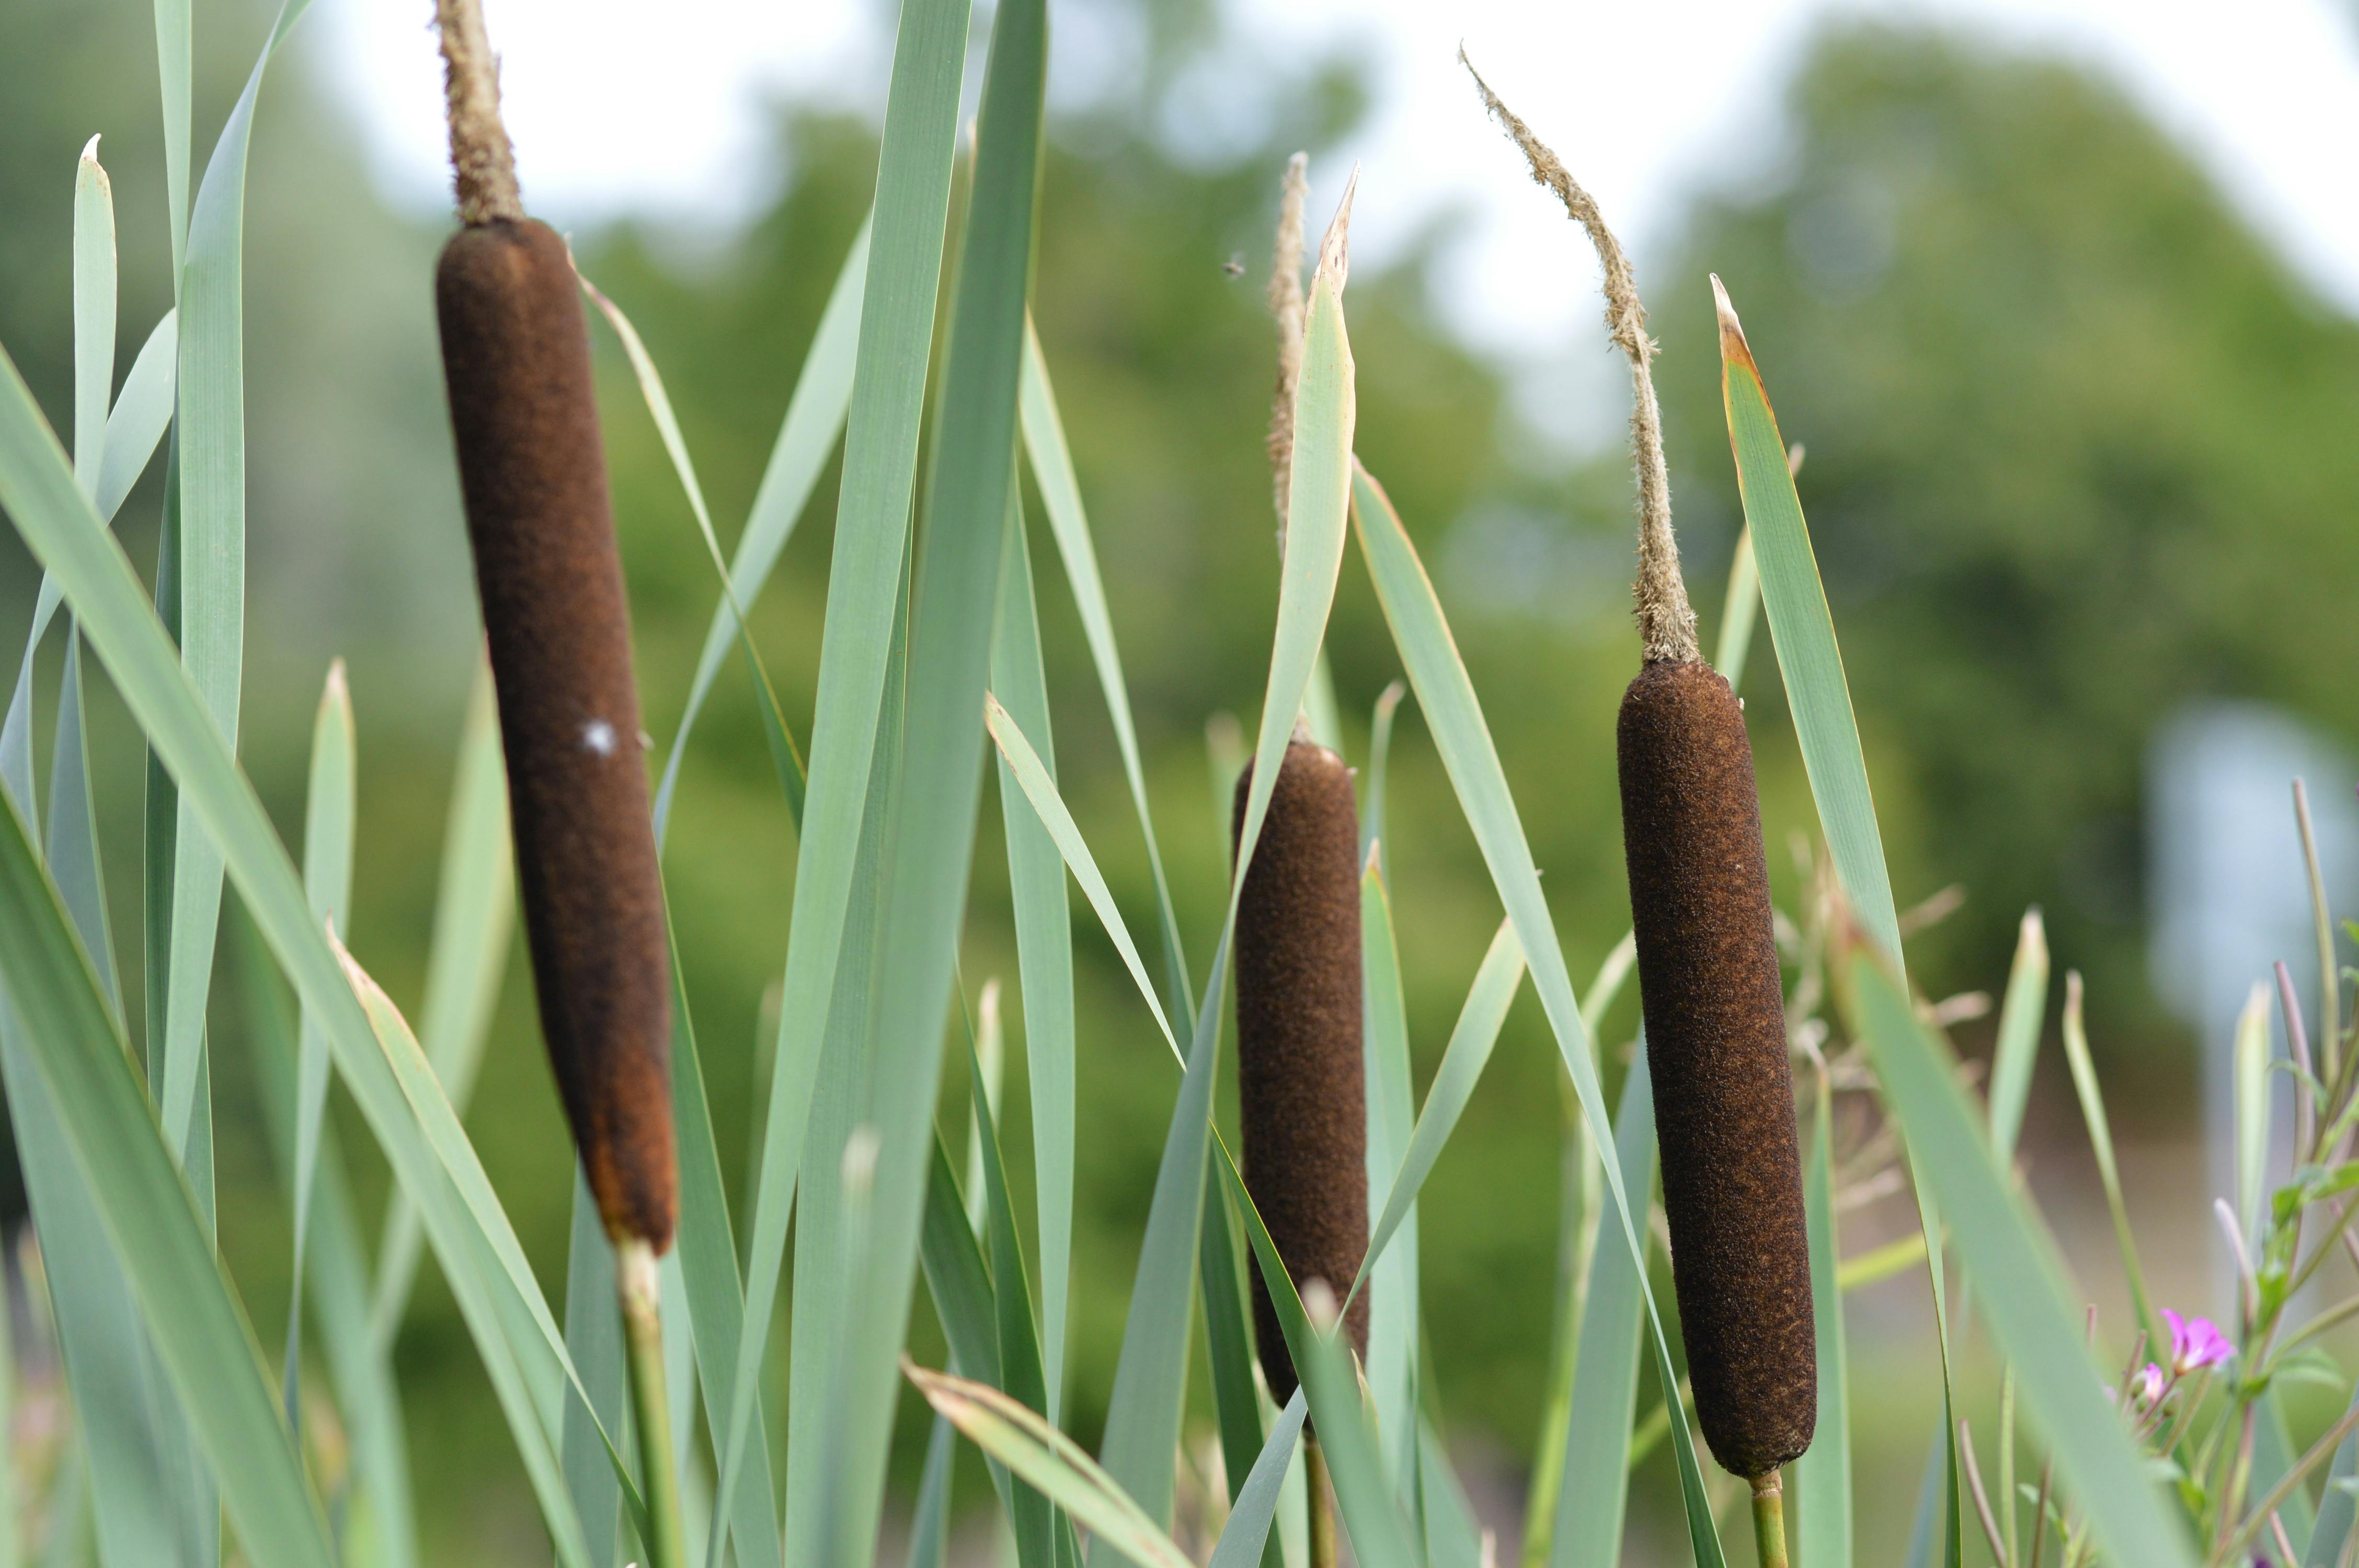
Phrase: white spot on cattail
(598,736)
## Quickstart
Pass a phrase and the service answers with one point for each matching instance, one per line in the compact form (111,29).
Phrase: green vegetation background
(2079,452)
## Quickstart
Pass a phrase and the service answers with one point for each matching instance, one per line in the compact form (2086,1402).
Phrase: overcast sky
(1644,101)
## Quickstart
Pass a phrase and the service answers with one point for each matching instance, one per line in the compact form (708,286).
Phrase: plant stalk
(1323,1507)
(1769,1520)
(642,1294)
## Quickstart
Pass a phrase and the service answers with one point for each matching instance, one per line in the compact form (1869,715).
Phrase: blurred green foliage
(2077,456)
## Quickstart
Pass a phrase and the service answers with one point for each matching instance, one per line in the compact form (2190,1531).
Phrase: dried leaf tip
(1666,623)
(483,163)
(1734,349)
(1335,250)
(90,151)
(337,691)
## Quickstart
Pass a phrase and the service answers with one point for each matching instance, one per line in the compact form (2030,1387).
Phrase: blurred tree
(2078,455)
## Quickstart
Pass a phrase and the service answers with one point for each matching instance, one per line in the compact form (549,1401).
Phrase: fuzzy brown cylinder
(1716,1043)
(1302,1079)
(515,355)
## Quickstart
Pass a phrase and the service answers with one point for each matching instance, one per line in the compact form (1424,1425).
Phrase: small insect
(1235,265)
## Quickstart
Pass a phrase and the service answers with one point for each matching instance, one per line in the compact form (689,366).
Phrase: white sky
(1645,99)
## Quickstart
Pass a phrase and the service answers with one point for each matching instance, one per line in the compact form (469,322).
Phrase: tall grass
(188,1448)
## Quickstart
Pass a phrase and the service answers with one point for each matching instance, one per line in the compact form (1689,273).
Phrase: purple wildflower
(2150,1384)
(2195,1343)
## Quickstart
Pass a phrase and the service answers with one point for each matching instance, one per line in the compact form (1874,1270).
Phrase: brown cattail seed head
(1301,1084)
(1716,1043)
(515,355)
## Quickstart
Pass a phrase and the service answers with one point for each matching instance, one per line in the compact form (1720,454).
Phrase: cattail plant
(516,356)
(1302,1081)
(1708,976)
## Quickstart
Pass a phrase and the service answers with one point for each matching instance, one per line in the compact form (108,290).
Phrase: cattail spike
(532,471)
(1709,984)
(1301,1083)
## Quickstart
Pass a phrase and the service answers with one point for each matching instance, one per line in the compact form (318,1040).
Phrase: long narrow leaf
(1389,1280)
(183,1295)
(1822,1491)
(1247,1531)
(1021,1377)
(1802,631)
(110,1367)
(133,430)
(212,582)
(1050,1461)
(174,66)
(2019,1018)
(2100,1144)
(378,1523)
(815,1332)
(1031,776)
(594,1338)
(390,1080)
(142,412)
(931,819)
(1044,948)
(897,325)
(1739,614)
(1143,1416)
(93,310)
(474,920)
(2019,1284)
(814,419)
(1150,1373)
(1380,1536)
(1060,497)
(328,810)
(1592,1489)
(1229,1353)
(74,831)
(1446,694)
(1462,1061)
(108,1362)
(675,444)
(2335,1504)
(707,1252)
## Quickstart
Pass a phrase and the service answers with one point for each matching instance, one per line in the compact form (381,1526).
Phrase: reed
(1707,975)
(532,470)
(516,356)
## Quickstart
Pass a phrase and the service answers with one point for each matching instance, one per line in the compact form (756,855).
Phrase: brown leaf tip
(1734,349)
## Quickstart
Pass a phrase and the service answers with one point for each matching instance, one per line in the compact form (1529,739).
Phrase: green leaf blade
(2019,1284)
(185,1298)
(1593,1487)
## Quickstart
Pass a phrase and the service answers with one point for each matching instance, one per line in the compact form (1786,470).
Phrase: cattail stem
(1321,1506)
(482,164)
(642,1296)
(1769,1520)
